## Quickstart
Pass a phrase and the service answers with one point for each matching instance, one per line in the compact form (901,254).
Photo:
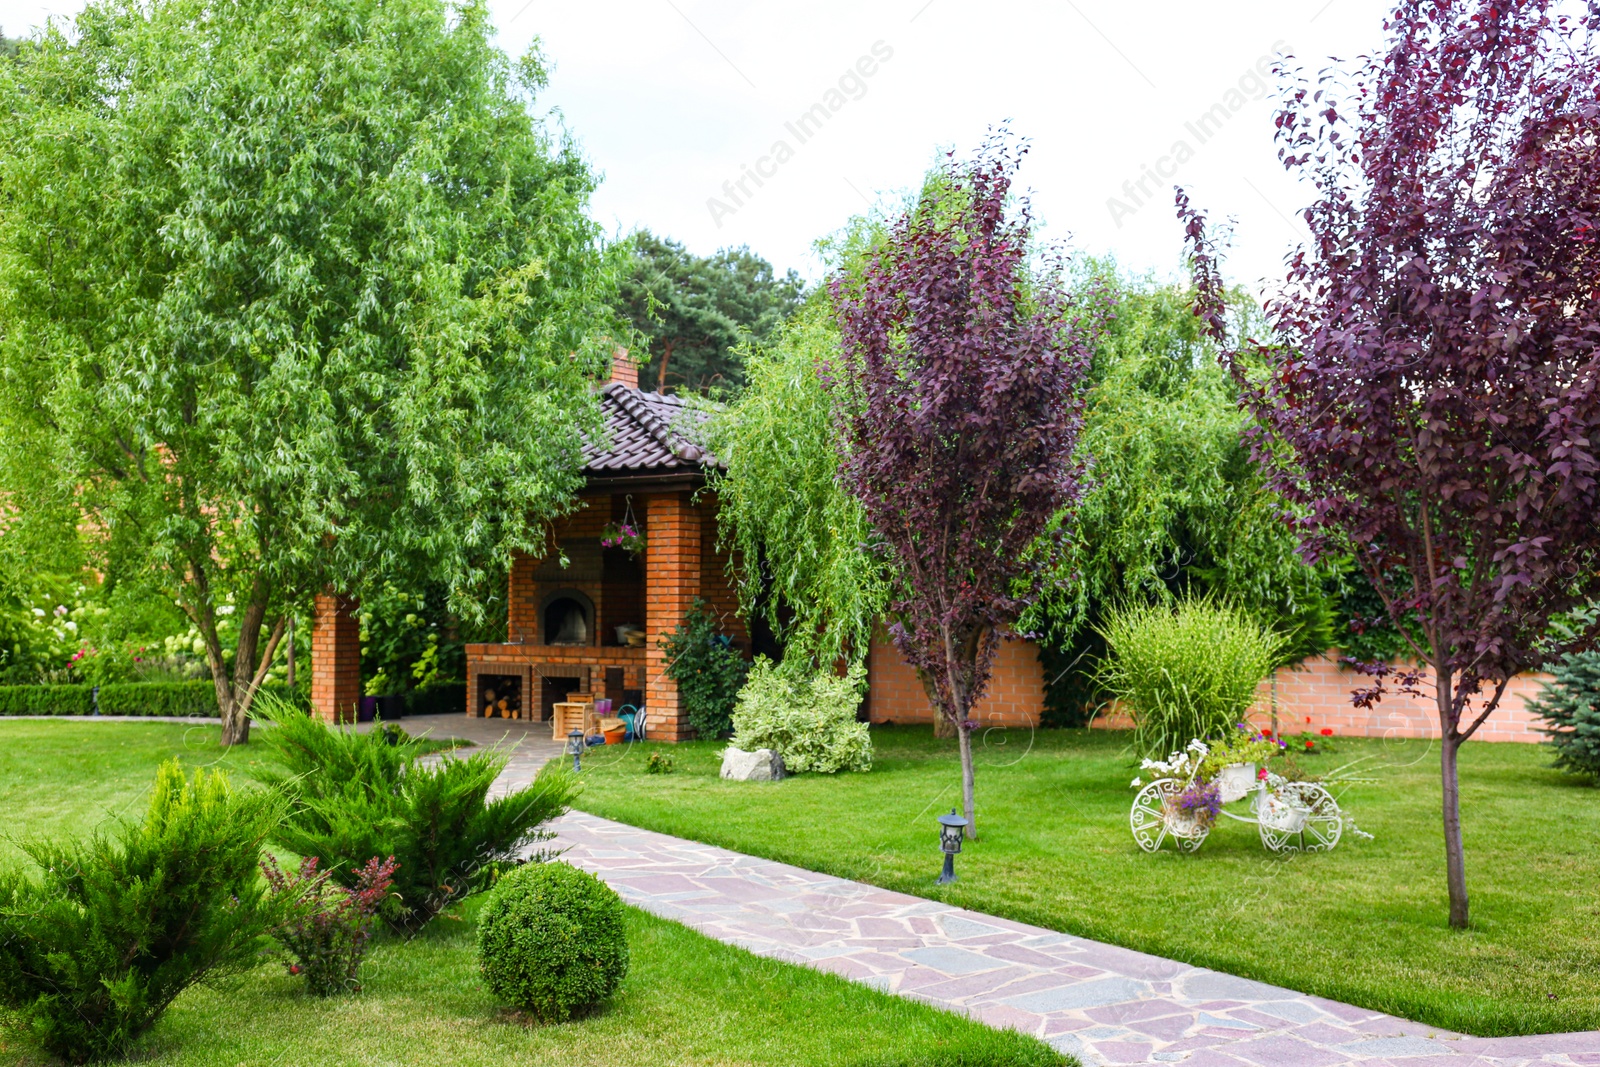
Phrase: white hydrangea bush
(809,721)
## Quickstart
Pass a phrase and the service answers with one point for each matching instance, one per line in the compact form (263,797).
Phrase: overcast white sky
(671,99)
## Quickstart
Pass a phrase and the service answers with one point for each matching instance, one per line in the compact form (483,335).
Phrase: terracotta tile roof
(647,435)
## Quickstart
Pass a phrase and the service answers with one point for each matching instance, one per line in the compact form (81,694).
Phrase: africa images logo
(852,85)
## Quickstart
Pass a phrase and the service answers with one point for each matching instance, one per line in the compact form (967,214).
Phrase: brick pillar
(335,659)
(672,581)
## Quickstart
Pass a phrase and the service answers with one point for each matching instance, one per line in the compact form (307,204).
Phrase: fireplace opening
(568,619)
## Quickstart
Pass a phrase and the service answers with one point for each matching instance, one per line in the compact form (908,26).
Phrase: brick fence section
(1312,696)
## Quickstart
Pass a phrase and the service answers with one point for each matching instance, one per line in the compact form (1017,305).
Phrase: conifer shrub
(1570,707)
(551,940)
(356,796)
(809,720)
(99,940)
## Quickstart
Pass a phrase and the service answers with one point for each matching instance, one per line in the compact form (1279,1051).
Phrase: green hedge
(45,700)
(182,699)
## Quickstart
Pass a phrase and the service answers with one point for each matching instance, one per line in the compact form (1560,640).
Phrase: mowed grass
(687,1000)
(1365,924)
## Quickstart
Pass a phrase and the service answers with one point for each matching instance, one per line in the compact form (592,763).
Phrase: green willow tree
(294,295)
(800,535)
(1174,505)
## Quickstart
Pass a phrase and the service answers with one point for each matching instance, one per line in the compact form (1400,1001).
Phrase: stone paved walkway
(1104,1004)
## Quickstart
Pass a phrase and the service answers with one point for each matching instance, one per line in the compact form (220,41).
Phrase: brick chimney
(623,369)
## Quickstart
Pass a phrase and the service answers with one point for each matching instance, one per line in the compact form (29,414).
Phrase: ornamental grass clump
(327,939)
(362,795)
(1185,671)
(1570,707)
(810,721)
(551,941)
(109,930)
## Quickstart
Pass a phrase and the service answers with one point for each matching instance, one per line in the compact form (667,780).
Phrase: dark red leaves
(960,381)
(1437,349)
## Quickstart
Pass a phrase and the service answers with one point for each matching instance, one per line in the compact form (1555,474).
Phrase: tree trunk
(661,375)
(1454,857)
(235,718)
(967,782)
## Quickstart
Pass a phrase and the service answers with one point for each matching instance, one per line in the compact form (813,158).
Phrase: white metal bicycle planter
(1291,816)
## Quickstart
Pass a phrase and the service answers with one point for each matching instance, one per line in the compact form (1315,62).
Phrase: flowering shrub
(810,722)
(328,938)
(658,764)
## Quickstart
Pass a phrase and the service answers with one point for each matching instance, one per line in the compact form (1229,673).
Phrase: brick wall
(1313,696)
(335,659)
(1015,696)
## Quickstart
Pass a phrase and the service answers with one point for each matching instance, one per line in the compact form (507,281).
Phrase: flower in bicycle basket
(1202,801)
(1261,774)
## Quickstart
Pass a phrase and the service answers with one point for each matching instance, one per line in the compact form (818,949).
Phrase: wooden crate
(569,715)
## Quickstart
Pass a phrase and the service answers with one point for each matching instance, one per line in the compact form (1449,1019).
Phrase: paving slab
(1102,1003)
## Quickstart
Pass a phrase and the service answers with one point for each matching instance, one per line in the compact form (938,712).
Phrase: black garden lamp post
(950,832)
(575,747)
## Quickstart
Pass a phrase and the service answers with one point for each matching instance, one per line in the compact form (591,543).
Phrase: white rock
(762,765)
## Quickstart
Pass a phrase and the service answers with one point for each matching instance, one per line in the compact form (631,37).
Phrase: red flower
(1310,744)
(1327,732)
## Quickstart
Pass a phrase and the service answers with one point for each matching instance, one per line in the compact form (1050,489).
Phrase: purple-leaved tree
(1432,398)
(959,383)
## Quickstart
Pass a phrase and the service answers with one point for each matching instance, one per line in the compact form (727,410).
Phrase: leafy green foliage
(410,637)
(707,668)
(110,929)
(810,721)
(1366,632)
(1186,670)
(782,509)
(277,330)
(1570,707)
(1175,507)
(363,795)
(694,311)
(551,940)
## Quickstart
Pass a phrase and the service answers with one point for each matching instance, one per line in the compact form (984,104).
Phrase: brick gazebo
(562,622)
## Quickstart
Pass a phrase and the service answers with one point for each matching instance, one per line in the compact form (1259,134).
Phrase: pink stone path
(1104,1004)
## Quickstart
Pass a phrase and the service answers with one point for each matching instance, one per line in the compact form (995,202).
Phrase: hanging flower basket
(623,535)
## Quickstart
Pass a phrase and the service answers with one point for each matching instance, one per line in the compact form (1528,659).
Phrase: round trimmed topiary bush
(551,940)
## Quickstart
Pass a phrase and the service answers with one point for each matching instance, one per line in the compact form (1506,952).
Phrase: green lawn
(1364,924)
(687,999)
